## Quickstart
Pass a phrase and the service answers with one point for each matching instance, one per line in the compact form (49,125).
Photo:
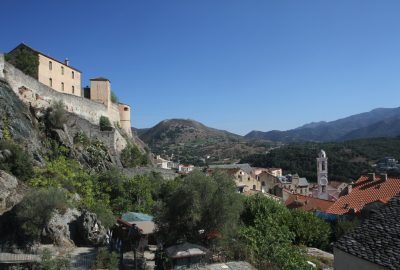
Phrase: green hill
(346,160)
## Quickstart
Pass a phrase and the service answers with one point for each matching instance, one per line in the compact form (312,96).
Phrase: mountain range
(381,122)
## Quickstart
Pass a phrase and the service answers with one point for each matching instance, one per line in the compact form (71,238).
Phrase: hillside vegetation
(346,160)
(191,142)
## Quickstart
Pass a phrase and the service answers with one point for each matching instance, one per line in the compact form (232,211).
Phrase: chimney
(350,188)
(384,177)
(66,62)
(371,176)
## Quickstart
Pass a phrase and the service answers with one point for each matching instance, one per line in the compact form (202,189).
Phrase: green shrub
(106,260)
(114,98)
(15,160)
(105,124)
(132,157)
(56,115)
(67,174)
(81,137)
(49,263)
(35,211)
(25,60)
(104,214)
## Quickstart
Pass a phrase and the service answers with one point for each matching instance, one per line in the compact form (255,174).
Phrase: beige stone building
(56,74)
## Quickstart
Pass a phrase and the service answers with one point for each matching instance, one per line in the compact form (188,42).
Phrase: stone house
(374,244)
(268,181)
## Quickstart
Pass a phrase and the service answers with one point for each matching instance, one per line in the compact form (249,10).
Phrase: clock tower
(322,173)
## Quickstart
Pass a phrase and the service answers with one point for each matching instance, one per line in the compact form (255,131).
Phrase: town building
(366,190)
(307,203)
(56,74)
(185,168)
(185,256)
(373,245)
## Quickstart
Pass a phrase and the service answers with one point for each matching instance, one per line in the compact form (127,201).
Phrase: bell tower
(322,172)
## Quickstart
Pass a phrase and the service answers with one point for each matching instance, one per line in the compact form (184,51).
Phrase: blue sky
(234,65)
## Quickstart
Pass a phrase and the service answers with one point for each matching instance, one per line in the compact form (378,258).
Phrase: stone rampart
(39,95)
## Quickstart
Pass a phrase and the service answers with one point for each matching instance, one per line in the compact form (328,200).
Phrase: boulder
(74,228)
(61,230)
(90,230)
(11,191)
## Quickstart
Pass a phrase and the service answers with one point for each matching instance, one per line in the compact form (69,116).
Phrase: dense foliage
(271,234)
(25,60)
(15,160)
(346,160)
(132,157)
(197,205)
(35,211)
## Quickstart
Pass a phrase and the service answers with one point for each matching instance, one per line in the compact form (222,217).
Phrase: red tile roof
(366,191)
(307,203)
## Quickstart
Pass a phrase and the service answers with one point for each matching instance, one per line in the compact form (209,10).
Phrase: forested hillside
(346,160)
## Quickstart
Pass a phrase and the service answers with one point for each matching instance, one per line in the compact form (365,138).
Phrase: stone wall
(39,95)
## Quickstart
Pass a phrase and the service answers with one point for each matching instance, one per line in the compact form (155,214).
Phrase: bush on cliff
(56,115)
(15,160)
(132,157)
(105,124)
(35,210)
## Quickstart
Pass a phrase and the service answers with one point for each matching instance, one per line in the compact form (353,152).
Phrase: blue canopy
(134,216)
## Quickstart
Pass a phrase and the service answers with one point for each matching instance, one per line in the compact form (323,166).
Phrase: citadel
(54,80)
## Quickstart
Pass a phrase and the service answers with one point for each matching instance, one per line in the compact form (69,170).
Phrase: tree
(67,174)
(132,157)
(114,98)
(125,193)
(268,241)
(197,205)
(25,60)
(309,230)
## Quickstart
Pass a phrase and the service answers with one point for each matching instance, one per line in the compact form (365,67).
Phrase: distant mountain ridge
(381,122)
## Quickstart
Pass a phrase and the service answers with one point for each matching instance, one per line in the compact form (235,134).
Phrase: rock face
(74,228)
(90,230)
(11,191)
(62,228)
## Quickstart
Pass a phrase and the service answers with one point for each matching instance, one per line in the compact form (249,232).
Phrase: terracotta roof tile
(365,191)
(307,203)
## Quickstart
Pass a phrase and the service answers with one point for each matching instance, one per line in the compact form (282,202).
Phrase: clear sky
(234,65)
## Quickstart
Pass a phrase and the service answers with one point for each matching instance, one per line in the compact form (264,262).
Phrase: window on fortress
(51,82)
(73,89)
(50,65)
(62,86)
(62,70)
(73,75)
(126,109)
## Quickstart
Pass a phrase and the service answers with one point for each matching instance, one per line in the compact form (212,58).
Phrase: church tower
(322,173)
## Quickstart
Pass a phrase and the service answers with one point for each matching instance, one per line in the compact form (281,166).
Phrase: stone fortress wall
(39,96)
